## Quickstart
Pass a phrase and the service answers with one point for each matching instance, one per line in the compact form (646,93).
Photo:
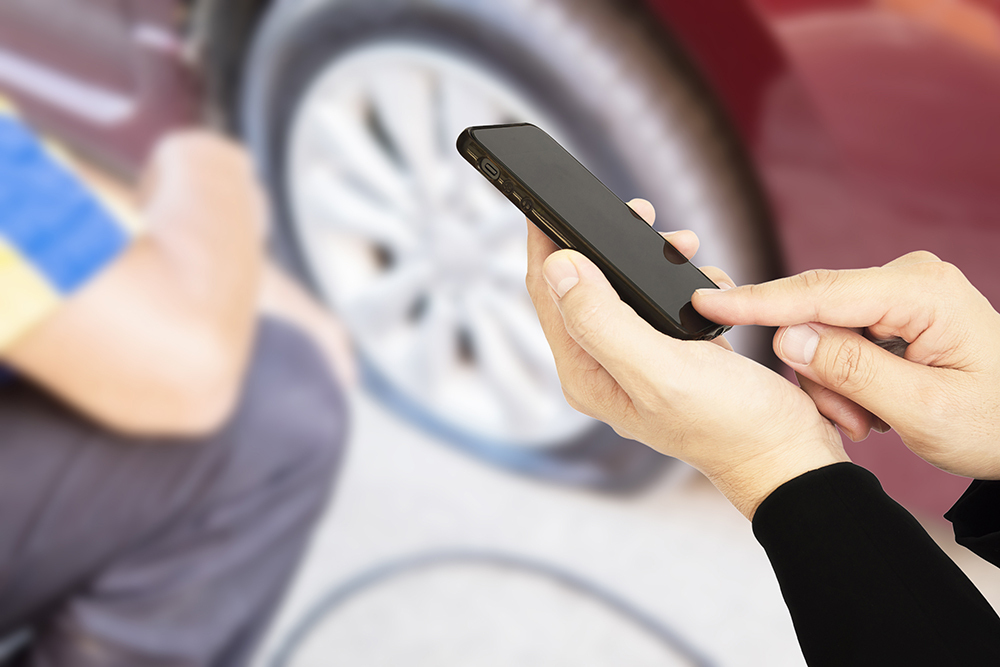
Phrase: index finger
(895,296)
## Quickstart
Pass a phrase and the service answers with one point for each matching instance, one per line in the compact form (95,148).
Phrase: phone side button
(491,170)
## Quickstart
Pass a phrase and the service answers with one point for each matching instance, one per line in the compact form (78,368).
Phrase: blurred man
(164,450)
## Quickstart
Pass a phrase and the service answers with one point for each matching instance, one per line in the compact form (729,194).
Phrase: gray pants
(126,552)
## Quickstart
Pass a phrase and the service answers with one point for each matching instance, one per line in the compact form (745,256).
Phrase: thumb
(596,317)
(856,368)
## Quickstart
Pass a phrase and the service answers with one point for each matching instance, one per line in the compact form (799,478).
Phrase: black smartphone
(577,211)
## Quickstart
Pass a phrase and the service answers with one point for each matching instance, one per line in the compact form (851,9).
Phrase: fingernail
(561,275)
(722,287)
(799,344)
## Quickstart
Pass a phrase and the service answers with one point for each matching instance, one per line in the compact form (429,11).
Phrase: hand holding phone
(578,212)
(745,427)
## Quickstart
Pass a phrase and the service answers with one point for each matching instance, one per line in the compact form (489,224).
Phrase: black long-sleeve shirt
(866,585)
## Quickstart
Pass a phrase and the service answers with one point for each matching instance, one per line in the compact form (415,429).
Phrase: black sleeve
(976,518)
(864,583)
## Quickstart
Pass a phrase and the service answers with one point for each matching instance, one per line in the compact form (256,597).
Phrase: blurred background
(790,134)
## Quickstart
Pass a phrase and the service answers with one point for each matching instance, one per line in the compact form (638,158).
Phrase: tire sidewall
(300,37)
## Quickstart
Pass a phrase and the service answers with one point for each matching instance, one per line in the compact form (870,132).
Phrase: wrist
(747,485)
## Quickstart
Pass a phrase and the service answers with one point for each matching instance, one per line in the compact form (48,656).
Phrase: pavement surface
(678,551)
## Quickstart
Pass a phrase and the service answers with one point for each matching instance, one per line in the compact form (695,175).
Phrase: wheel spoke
(519,321)
(403,101)
(500,223)
(507,264)
(463,105)
(503,368)
(339,207)
(360,156)
(387,302)
(436,349)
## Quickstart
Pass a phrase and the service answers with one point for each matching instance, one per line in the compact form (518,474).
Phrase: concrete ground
(678,551)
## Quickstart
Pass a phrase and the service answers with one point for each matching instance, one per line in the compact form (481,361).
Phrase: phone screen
(584,204)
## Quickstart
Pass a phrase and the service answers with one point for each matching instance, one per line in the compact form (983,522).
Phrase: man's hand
(942,395)
(158,342)
(745,427)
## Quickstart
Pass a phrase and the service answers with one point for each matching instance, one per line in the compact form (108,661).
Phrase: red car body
(872,125)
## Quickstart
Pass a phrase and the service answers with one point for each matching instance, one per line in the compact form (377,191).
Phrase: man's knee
(292,423)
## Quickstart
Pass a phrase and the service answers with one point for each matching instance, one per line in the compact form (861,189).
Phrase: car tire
(600,77)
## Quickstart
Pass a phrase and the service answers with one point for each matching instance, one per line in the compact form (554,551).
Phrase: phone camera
(490,169)
(527,205)
(507,187)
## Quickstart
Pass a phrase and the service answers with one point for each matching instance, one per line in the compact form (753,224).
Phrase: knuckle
(622,432)
(538,289)
(531,283)
(754,292)
(592,392)
(950,273)
(588,324)
(818,279)
(942,278)
(921,256)
(587,394)
(849,368)
(574,403)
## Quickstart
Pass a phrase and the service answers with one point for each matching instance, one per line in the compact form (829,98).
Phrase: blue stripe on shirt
(48,216)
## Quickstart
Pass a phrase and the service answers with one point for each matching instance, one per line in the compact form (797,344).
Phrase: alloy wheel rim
(422,259)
